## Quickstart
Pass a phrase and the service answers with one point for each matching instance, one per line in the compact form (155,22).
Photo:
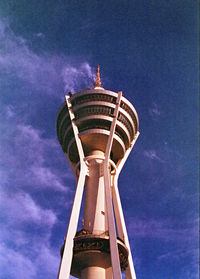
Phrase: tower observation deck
(97,129)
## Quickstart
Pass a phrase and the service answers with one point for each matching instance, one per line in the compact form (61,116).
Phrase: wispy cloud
(20,207)
(47,178)
(179,240)
(166,230)
(154,111)
(186,253)
(74,78)
(87,24)
(20,263)
(31,162)
(16,58)
(175,255)
(163,161)
(25,237)
(25,155)
(36,259)
(39,35)
(26,171)
(152,154)
(42,71)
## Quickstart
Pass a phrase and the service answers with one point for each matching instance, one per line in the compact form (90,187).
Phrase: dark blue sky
(147,49)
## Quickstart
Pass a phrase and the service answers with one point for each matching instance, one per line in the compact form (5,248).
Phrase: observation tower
(97,129)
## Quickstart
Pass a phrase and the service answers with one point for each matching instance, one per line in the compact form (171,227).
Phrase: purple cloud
(25,154)
(37,259)
(25,249)
(42,72)
(20,207)
(39,35)
(160,229)
(152,154)
(24,171)
(21,264)
(29,161)
(77,78)
(154,111)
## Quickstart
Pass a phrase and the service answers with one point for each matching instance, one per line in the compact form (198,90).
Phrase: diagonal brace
(65,265)
(116,269)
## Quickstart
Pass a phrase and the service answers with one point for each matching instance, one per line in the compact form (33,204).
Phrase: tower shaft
(95,207)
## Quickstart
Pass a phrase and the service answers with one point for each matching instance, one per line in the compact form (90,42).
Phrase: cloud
(154,111)
(187,254)
(74,78)
(9,111)
(47,261)
(36,259)
(164,161)
(16,58)
(175,255)
(179,241)
(26,154)
(15,265)
(47,178)
(39,35)
(32,162)
(44,72)
(152,154)
(28,215)
(25,248)
(20,208)
(162,229)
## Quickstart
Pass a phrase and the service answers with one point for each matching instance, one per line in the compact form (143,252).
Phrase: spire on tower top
(98,80)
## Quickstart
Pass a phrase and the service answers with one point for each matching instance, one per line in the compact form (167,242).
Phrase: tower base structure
(97,130)
(91,255)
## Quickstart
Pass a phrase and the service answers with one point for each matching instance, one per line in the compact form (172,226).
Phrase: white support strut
(65,265)
(130,271)
(116,269)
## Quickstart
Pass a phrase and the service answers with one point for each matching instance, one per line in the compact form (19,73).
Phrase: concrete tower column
(94,209)
(93,272)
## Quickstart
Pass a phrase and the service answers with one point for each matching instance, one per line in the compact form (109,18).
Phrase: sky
(149,50)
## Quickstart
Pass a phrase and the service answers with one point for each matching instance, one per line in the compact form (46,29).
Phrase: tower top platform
(93,110)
